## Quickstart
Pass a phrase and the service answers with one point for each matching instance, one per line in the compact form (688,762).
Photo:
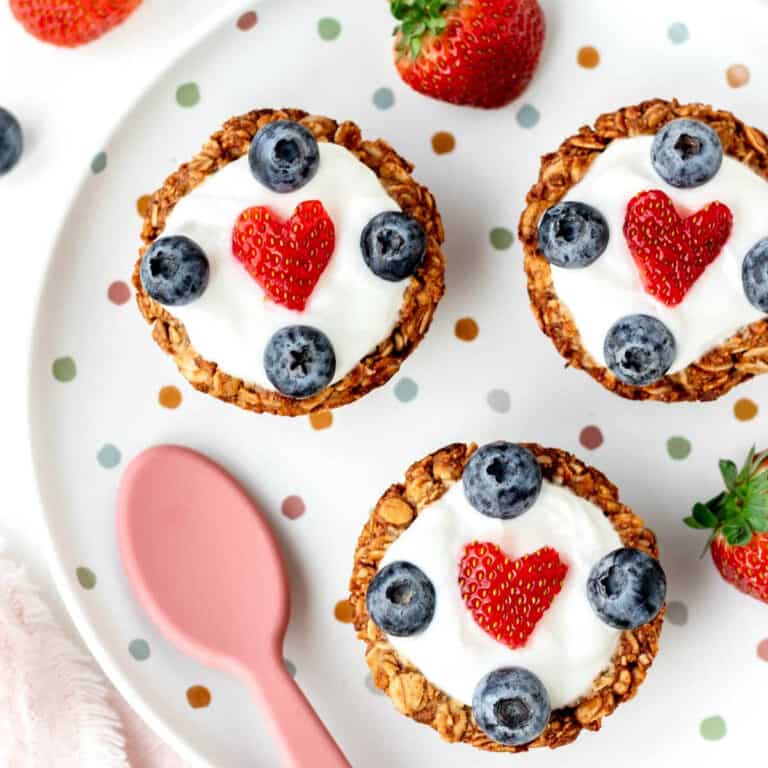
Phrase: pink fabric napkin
(56,708)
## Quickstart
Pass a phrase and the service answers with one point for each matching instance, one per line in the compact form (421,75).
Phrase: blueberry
(502,480)
(686,153)
(401,599)
(573,235)
(754,275)
(175,270)
(639,349)
(299,361)
(626,588)
(393,245)
(11,141)
(511,705)
(284,156)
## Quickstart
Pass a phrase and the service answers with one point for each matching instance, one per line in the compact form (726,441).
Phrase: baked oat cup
(461,588)
(672,230)
(285,311)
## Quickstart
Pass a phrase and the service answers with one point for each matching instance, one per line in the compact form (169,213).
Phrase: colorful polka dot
(762,650)
(108,456)
(528,116)
(293,507)
(588,57)
(118,292)
(501,238)
(187,95)
(713,728)
(99,162)
(321,420)
(139,649)
(169,397)
(328,28)
(443,142)
(86,577)
(344,612)
(406,390)
(291,667)
(678,447)
(247,21)
(591,437)
(499,401)
(737,76)
(64,369)
(198,696)
(677,613)
(745,409)
(142,205)
(466,329)
(383,98)
(677,32)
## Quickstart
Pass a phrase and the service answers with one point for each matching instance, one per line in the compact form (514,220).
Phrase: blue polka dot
(528,116)
(383,98)
(99,162)
(677,32)
(139,649)
(108,456)
(406,390)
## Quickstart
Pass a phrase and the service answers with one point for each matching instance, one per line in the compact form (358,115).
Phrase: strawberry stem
(417,19)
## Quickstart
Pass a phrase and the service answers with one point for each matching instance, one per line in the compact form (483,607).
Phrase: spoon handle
(304,740)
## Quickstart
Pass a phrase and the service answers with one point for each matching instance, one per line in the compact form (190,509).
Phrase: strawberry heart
(506,597)
(286,258)
(671,251)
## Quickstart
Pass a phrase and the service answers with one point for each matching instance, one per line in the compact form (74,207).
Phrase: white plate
(707,667)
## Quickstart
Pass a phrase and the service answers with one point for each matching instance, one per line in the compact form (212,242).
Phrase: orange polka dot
(443,142)
(321,420)
(344,612)
(466,329)
(745,409)
(198,696)
(738,75)
(588,57)
(142,205)
(169,397)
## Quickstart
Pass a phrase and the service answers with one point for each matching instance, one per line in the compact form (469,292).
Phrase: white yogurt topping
(715,307)
(232,321)
(569,647)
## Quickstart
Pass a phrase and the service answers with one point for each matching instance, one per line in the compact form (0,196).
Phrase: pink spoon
(206,568)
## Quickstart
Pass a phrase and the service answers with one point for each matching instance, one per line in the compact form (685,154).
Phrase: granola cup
(740,357)
(421,294)
(418,698)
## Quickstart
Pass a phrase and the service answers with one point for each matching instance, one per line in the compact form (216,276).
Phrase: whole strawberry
(477,52)
(69,23)
(738,518)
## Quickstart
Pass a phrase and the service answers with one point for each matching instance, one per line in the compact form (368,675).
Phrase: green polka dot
(501,238)
(328,28)
(108,456)
(677,32)
(187,95)
(528,116)
(64,369)
(678,447)
(383,98)
(406,390)
(291,667)
(139,649)
(86,577)
(99,162)
(713,728)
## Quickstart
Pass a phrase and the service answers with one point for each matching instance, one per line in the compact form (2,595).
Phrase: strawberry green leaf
(692,522)
(730,473)
(758,523)
(704,515)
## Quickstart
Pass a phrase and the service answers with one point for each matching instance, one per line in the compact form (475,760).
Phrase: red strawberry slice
(672,252)
(508,597)
(286,258)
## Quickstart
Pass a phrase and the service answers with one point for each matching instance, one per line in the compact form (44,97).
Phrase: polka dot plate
(101,391)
